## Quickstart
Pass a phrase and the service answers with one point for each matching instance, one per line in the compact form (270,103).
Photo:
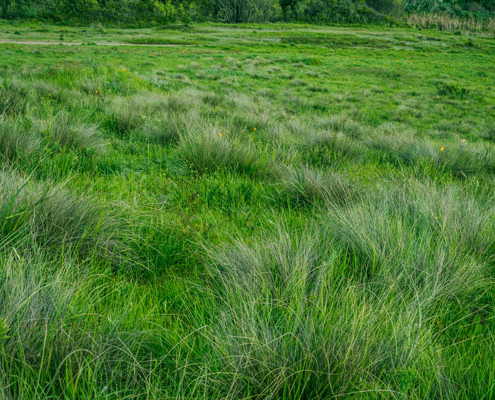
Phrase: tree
(234,11)
(393,8)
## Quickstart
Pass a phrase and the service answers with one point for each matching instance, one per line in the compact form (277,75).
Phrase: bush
(393,8)
(234,11)
(330,11)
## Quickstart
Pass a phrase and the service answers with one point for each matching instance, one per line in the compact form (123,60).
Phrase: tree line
(138,12)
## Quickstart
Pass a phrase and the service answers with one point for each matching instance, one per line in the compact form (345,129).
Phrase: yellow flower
(464,141)
(255,129)
(220,134)
(123,69)
(96,91)
(442,148)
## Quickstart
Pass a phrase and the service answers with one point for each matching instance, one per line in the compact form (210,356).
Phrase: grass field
(254,212)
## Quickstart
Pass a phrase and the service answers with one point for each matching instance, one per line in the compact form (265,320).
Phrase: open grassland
(260,212)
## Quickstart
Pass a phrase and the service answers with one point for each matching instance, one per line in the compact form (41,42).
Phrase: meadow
(279,211)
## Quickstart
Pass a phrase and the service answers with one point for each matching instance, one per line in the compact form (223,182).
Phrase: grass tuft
(15,97)
(49,216)
(70,133)
(304,186)
(16,142)
(210,150)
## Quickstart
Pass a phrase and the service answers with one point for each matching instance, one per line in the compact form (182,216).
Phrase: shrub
(234,11)
(393,8)
(332,11)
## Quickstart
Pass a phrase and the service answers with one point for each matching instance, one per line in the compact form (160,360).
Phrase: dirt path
(44,43)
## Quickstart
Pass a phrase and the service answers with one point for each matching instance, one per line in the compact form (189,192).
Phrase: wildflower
(464,141)
(123,69)
(255,129)
(442,148)
(96,91)
(183,51)
(144,116)
(220,134)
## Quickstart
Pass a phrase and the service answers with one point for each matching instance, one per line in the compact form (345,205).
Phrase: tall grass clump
(370,299)
(209,150)
(49,216)
(53,92)
(17,140)
(15,97)
(167,128)
(327,147)
(304,186)
(431,246)
(175,115)
(446,22)
(461,158)
(252,112)
(33,312)
(70,133)
(291,325)
(125,114)
(183,101)
(56,343)
(341,123)
(104,79)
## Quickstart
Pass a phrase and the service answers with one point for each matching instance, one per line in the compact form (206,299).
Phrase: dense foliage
(134,12)
(462,8)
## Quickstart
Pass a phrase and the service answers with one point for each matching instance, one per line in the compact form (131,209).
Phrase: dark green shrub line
(146,12)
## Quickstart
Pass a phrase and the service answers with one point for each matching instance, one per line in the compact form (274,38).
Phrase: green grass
(271,212)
